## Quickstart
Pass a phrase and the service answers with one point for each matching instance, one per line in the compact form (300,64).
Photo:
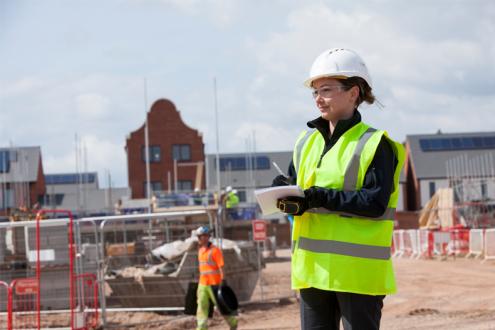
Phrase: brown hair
(365,93)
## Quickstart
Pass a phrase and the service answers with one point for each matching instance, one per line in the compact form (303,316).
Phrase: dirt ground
(432,294)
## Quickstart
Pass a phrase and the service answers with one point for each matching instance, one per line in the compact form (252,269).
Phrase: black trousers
(322,309)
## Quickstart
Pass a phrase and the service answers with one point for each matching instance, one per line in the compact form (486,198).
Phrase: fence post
(9,308)
(101,272)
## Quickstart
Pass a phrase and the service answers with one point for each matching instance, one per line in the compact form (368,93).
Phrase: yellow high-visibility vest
(336,251)
(232,200)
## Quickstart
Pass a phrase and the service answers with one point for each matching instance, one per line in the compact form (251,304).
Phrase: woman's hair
(365,93)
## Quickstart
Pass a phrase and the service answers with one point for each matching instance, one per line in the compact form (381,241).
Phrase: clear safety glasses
(326,91)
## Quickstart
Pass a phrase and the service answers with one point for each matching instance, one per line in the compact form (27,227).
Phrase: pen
(279,170)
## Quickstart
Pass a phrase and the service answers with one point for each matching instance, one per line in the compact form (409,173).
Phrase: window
(70,178)
(489,141)
(53,199)
(184,185)
(154,185)
(13,155)
(4,161)
(7,199)
(239,163)
(484,191)
(262,163)
(456,143)
(155,154)
(459,143)
(181,152)
(432,188)
(242,195)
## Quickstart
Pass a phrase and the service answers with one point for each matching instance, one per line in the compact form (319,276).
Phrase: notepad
(267,197)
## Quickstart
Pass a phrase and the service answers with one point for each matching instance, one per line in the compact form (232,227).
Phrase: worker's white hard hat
(338,62)
(228,189)
(234,191)
(203,230)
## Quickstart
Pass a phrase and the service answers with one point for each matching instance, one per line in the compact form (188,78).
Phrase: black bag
(191,303)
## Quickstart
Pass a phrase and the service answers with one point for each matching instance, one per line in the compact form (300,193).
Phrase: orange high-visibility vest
(210,261)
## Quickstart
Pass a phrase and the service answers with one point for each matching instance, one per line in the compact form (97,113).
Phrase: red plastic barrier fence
(23,304)
(4,306)
(459,241)
(86,302)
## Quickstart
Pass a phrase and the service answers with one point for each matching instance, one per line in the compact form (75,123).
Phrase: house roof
(19,164)
(433,155)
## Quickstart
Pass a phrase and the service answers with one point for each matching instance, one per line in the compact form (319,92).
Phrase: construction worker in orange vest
(211,275)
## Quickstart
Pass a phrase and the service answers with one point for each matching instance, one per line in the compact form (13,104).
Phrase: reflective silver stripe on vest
(352,171)
(209,272)
(299,147)
(388,215)
(293,246)
(344,248)
(210,261)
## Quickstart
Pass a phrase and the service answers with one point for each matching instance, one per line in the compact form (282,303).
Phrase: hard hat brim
(341,75)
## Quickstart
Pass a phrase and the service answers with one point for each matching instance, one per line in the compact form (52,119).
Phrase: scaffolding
(472,180)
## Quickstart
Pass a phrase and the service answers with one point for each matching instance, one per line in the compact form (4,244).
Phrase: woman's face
(332,100)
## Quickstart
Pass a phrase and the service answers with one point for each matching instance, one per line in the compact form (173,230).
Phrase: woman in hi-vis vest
(343,226)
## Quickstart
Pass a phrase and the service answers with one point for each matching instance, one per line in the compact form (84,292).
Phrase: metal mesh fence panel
(490,244)
(150,262)
(476,242)
(86,301)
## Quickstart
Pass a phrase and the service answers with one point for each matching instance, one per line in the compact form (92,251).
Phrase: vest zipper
(325,150)
(319,162)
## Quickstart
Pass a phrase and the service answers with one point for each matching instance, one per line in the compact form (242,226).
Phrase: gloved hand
(280,180)
(293,205)
(298,205)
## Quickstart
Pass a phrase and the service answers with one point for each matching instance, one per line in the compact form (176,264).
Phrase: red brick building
(176,153)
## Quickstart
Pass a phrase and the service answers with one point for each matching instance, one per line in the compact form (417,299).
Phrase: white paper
(267,197)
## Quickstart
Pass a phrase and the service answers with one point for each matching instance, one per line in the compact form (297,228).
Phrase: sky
(78,67)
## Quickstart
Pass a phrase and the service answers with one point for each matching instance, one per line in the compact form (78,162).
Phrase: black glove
(293,205)
(281,180)
(298,205)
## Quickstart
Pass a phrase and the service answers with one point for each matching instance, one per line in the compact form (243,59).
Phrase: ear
(353,94)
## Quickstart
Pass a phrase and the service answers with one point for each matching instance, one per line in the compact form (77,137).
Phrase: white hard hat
(228,189)
(203,230)
(338,62)
(234,191)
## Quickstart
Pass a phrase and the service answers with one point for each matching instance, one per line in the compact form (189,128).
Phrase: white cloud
(427,80)
(267,137)
(92,106)
(221,13)
(19,86)
(187,6)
